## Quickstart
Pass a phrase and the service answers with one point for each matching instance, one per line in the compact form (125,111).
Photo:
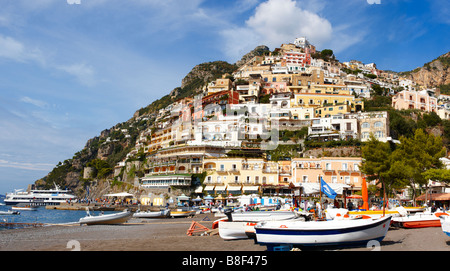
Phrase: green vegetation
(409,164)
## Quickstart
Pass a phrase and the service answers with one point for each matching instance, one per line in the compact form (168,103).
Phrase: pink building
(421,100)
(333,170)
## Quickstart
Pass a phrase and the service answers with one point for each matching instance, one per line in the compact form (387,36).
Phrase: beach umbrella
(365,195)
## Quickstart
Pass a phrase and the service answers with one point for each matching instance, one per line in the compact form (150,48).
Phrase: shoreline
(170,234)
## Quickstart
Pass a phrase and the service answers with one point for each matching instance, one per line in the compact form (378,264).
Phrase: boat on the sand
(152,214)
(345,232)
(109,219)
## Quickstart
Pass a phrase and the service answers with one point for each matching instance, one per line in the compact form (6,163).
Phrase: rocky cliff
(433,74)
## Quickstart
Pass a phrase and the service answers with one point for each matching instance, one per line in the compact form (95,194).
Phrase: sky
(72,68)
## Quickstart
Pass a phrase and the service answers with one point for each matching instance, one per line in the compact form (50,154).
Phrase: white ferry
(37,197)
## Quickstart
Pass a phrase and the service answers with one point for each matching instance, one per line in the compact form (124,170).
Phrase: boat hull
(322,233)
(160,214)
(418,221)
(232,230)
(111,219)
(445,224)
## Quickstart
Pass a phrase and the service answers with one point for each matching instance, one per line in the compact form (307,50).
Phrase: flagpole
(321,207)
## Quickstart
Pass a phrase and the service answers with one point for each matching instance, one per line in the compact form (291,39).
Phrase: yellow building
(238,175)
(319,96)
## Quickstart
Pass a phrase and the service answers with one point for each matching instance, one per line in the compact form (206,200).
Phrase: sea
(43,215)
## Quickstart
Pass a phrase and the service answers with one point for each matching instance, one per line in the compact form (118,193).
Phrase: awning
(198,189)
(122,194)
(314,188)
(250,188)
(221,188)
(234,188)
(434,196)
(209,188)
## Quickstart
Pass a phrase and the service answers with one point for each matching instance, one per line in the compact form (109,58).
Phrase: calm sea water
(42,215)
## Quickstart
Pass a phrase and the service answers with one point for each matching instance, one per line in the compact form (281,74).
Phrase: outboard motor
(228,212)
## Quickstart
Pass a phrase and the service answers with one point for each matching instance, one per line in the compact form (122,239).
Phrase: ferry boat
(38,197)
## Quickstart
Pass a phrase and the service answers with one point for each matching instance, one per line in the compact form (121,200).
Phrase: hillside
(433,74)
(114,145)
(95,166)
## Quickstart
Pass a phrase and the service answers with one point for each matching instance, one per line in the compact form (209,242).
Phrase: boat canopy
(121,194)
(314,188)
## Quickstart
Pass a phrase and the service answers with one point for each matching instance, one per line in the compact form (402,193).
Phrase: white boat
(240,225)
(9,212)
(183,212)
(322,233)
(54,196)
(109,219)
(150,214)
(445,224)
(419,220)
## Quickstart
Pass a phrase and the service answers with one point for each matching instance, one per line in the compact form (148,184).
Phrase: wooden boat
(419,220)
(241,225)
(149,214)
(109,219)
(322,233)
(445,224)
(183,212)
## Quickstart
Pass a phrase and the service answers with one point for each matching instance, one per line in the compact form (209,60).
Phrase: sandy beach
(170,235)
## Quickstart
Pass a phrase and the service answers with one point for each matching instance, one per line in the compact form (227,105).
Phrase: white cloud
(276,22)
(83,72)
(26,166)
(34,102)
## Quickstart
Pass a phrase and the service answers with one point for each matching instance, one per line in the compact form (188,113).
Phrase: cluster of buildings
(222,135)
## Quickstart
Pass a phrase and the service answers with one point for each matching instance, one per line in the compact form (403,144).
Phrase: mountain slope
(433,74)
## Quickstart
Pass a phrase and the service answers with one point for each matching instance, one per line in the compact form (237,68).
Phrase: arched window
(365,125)
(378,124)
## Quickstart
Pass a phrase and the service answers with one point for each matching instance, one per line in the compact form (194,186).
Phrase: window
(355,167)
(365,125)
(379,134)
(233,167)
(264,180)
(248,179)
(334,179)
(236,179)
(344,166)
(219,179)
(328,166)
(257,179)
(305,179)
(311,101)
(222,167)
(378,124)
(300,101)
(347,179)
(208,179)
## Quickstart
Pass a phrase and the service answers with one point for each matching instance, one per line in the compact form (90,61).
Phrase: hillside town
(266,128)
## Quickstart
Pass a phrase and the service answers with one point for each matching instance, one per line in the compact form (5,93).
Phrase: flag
(325,188)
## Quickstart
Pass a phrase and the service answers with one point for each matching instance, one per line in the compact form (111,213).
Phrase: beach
(171,235)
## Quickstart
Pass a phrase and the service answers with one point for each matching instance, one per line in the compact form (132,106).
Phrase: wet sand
(170,235)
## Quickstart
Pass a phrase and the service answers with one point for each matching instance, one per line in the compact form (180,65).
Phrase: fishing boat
(109,219)
(9,212)
(241,225)
(24,207)
(155,214)
(419,220)
(54,196)
(445,224)
(183,212)
(343,232)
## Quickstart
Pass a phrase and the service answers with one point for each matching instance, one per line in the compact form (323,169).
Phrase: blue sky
(72,68)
